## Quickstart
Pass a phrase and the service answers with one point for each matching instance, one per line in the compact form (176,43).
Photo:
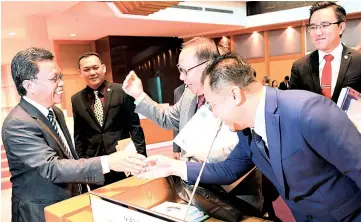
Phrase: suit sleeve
(177,94)
(331,134)
(235,166)
(164,117)
(295,81)
(79,134)
(25,141)
(135,130)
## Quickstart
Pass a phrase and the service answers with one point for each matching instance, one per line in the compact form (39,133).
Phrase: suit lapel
(108,96)
(315,72)
(66,133)
(44,122)
(192,107)
(345,62)
(86,103)
(274,135)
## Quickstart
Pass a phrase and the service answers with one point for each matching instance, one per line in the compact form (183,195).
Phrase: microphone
(202,168)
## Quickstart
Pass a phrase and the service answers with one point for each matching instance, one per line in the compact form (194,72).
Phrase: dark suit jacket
(178,92)
(283,86)
(42,173)
(315,158)
(305,73)
(120,122)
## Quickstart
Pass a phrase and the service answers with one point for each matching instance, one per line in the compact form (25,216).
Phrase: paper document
(178,211)
(126,145)
(197,136)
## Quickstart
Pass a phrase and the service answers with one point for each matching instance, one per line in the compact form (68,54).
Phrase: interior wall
(67,53)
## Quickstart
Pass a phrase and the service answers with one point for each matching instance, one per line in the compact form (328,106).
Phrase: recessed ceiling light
(12,33)
(72,34)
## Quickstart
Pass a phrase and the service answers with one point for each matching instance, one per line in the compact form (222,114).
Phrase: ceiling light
(12,33)
(72,35)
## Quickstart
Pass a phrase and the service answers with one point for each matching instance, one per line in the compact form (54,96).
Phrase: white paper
(178,210)
(104,211)
(197,136)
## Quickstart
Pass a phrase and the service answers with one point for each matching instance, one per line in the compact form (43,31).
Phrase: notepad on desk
(178,211)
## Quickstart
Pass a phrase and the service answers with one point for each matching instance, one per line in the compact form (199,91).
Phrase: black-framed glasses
(57,77)
(322,26)
(185,71)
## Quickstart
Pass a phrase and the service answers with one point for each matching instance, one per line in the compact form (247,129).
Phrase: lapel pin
(108,90)
(346,57)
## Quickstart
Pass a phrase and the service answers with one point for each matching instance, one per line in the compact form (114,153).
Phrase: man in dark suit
(313,162)
(332,66)
(103,115)
(285,84)
(44,166)
(178,92)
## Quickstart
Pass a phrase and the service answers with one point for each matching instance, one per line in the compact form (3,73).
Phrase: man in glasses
(332,66)
(44,166)
(313,162)
(193,59)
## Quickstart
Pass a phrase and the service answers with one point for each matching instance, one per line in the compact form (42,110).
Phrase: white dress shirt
(335,64)
(260,119)
(103,159)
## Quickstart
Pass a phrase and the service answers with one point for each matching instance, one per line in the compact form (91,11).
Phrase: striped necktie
(52,120)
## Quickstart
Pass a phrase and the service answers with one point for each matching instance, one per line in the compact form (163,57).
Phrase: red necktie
(201,101)
(327,77)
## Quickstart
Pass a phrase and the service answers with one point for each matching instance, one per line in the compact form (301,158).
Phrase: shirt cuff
(104,160)
(139,99)
(180,169)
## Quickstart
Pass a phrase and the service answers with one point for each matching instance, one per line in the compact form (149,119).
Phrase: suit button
(309,217)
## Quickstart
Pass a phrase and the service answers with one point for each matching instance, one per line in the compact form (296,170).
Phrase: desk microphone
(201,171)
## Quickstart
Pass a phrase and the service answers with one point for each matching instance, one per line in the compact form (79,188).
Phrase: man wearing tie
(332,66)
(313,162)
(103,115)
(194,57)
(44,166)
(285,84)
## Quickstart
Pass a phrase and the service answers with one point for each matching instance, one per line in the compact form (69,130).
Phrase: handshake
(156,166)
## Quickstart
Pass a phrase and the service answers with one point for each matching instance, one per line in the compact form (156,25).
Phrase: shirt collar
(100,88)
(336,53)
(41,108)
(260,122)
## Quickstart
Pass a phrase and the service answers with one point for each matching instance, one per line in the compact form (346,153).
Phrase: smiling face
(47,88)
(191,77)
(92,71)
(328,38)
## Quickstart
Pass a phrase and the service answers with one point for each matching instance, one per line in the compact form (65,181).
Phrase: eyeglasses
(185,71)
(57,77)
(323,26)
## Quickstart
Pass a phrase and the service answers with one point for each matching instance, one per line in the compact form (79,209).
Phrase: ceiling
(93,20)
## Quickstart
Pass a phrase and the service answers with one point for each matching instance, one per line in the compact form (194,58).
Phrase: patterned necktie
(201,101)
(52,120)
(98,108)
(260,143)
(327,76)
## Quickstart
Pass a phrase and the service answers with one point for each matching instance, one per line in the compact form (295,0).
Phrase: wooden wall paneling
(266,54)
(303,39)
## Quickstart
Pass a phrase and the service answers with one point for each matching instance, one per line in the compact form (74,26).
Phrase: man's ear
(104,68)
(342,27)
(28,85)
(238,95)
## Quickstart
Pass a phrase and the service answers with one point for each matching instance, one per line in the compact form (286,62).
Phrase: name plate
(105,209)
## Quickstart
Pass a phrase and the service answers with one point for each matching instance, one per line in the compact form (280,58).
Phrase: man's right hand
(162,166)
(132,85)
(125,161)
(176,155)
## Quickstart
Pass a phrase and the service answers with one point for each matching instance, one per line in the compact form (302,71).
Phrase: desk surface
(143,193)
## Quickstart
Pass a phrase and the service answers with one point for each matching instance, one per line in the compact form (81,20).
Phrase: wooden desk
(143,193)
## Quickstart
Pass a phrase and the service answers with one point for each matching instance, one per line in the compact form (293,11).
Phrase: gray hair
(228,68)
(206,49)
(24,66)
